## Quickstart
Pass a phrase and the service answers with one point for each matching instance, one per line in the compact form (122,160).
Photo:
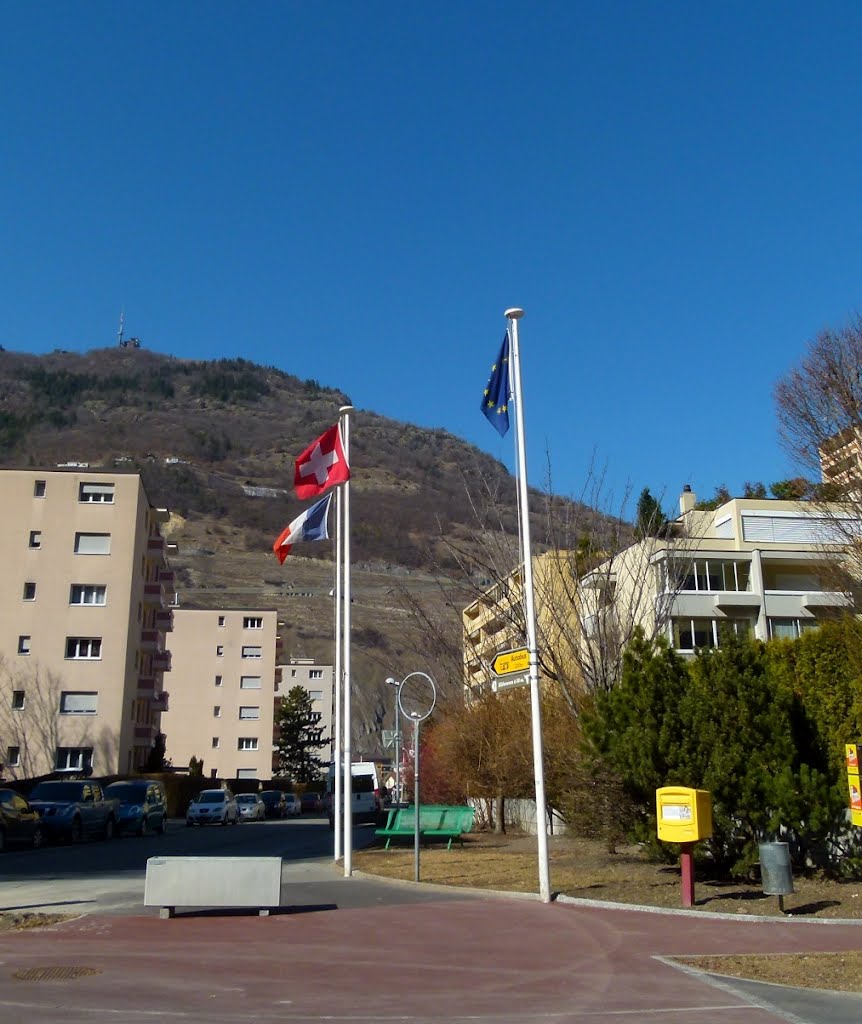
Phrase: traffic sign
(507,662)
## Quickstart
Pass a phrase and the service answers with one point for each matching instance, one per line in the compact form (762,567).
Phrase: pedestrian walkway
(456,960)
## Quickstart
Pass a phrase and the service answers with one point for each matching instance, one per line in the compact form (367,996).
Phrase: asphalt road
(108,877)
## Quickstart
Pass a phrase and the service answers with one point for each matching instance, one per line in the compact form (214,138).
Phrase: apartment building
(758,567)
(317,681)
(223,689)
(83,622)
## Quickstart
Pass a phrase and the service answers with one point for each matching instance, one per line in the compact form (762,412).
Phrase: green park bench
(436,821)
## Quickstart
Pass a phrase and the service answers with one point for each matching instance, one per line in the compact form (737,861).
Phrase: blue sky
(355,192)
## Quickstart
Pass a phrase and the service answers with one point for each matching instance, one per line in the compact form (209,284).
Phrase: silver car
(213,807)
(251,807)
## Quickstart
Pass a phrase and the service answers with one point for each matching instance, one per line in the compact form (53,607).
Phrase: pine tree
(299,736)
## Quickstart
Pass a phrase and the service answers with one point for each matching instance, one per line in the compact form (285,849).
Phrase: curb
(608,905)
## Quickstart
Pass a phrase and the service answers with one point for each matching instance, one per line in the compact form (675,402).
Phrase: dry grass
(16,922)
(580,868)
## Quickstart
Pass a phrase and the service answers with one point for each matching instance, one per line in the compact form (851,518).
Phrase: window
(23,644)
(220,651)
(215,742)
(252,622)
(315,673)
(293,673)
(29,591)
(247,743)
(13,756)
(35,538)
(73,759)
(17,700)
(39,488)
(249,713)
(316,694)
(252,652)
(217,711)
(246,773)
(100,493)
(73,702)
(221,620)
(92,543)
(249,682)
(790,629)
(218,680)
(83,648)
(690,634)
(87,593)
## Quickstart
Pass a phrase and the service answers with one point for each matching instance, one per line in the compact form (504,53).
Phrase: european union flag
(495,401)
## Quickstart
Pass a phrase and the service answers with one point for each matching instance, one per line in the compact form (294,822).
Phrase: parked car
(292,805)
(274,803)
(311,802)
(213,807)
(19,821)
(143,806)
(72,809)
(365,794)
(251,807)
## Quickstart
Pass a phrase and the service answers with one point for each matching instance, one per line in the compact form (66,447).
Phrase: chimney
(687,500)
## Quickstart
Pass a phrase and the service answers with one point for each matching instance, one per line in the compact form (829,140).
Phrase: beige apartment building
(758,567)
(223,690)
(83,622)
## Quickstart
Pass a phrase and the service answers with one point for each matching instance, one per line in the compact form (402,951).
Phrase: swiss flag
(321,465)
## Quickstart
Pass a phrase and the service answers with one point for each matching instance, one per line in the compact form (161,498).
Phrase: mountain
(215,443)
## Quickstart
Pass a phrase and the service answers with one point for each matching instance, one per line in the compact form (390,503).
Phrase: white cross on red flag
(322,465)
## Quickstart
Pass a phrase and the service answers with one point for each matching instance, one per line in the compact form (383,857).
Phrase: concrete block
(212,882)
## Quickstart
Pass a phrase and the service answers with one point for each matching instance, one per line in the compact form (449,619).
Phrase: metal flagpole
(337,684)
(346,724)
(514,315)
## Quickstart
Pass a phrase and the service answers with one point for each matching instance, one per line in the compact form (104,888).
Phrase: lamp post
(396,683)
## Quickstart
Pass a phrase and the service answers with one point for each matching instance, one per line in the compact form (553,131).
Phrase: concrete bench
(435,821)
(173,882)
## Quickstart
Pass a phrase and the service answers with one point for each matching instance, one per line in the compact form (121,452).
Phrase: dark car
(311,802)
(19,822)
(143,806)
(273,802)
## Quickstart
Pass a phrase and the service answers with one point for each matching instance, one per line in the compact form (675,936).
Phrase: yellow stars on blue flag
(495,401)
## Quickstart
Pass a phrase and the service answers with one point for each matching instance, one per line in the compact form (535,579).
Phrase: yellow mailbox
(684,815)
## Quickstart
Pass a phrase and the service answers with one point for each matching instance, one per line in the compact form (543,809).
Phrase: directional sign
(507,682)
(507,662)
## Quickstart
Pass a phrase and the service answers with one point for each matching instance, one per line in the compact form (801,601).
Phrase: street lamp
(396,683)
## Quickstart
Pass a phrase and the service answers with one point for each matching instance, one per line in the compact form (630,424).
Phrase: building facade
(223,691)
(84,618)
(757,567)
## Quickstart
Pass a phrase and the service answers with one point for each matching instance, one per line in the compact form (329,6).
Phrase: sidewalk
(447,960)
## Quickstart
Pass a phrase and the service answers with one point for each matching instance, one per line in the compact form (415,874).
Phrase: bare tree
(819,406)
(594,583)
(30,718)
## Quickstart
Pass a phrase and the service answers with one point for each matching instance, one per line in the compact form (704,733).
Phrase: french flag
(311,525)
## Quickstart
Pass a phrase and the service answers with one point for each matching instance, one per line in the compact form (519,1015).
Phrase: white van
(366,795)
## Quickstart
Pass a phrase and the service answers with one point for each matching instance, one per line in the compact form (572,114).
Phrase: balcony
(146,733)
(154,594)
(156,545)
(146,686)
(166,576)
(161,701)
(162,661)
(151,640)
(165,620)
(827,599)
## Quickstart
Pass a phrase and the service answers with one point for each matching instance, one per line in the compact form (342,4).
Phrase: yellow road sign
(507,662)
